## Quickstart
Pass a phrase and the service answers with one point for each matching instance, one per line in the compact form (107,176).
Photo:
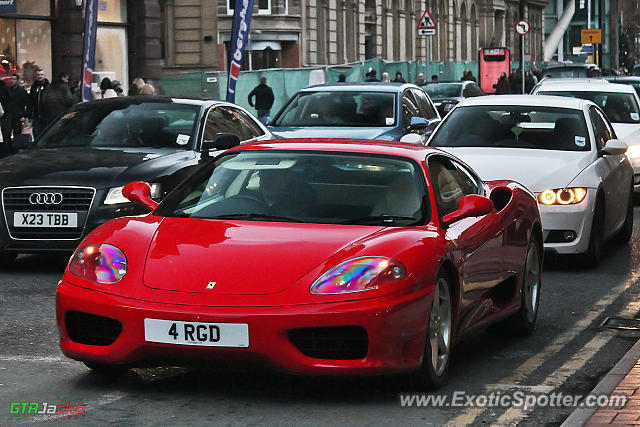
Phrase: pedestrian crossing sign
(427,22)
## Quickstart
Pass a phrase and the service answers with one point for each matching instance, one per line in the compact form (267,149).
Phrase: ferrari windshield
(108,124)
(359,109)
(619,107)
(443,90)
(314,187)
(544,128)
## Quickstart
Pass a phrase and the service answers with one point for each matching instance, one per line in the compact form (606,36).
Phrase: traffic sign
(522,27)
(426,31)
(593,35)
(427,25)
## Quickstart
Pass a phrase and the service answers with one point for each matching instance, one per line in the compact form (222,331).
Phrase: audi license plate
(196,333)
(45,219)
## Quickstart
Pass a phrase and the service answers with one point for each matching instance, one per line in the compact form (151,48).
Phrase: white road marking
(36,359)
(525,369)
(530,388)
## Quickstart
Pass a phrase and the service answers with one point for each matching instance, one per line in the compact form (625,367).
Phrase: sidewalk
(623,378)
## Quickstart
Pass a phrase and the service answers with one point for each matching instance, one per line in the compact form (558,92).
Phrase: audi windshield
(150,125)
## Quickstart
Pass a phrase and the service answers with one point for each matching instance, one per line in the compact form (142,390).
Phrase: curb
(580,416)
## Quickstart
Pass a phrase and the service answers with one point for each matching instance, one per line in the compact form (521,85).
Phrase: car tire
(107,369)
(7,258)
(591,258)
(437,352)
(524,321)
(624,235)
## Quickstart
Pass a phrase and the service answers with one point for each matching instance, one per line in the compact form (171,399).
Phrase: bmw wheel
(591,258)
(624,235)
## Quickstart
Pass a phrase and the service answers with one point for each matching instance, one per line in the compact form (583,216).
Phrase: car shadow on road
(46,264)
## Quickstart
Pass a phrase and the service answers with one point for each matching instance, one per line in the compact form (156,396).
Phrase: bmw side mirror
(614,147)
(470,205)
(418,123)
(223,141)
(140,193)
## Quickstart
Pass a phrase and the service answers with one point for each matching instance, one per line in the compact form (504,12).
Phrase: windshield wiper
(387,219)
(256,216)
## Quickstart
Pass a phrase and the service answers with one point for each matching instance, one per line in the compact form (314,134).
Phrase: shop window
(34,7)
(25,47)
(111,56)
(112,11)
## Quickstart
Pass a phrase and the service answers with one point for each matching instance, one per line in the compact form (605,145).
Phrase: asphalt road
(568,353)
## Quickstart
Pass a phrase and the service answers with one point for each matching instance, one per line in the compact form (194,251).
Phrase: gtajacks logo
(25,410)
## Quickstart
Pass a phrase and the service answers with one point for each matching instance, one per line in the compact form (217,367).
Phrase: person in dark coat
(371,76)
(264,99)
(35,97)
(5,122)
(399,78)
(529,82)
(17,110)
(57,98)
(502,87)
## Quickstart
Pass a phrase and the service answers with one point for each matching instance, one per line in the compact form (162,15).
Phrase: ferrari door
(477,240)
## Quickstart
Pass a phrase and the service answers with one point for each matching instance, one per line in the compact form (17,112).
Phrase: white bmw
(564,150)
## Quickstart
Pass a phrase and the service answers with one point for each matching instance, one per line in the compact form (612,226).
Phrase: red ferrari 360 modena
(312,256)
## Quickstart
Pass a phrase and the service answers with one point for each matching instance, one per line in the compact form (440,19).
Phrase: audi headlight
(359,274)
(633,151)
(115,196)
(99,263)
(562,196)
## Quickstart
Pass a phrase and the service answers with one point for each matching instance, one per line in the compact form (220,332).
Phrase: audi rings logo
(45,198)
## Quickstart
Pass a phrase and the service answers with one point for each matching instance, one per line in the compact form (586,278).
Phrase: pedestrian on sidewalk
(371,76)
(17,109)
(35,97)
(136,86)
(420,79)
(434,78)
(399,78)
(386,78)
(502,86)
(106,89)
(5,120)
(57,98)
(264,100)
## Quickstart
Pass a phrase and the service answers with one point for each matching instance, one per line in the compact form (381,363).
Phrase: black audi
(70,181)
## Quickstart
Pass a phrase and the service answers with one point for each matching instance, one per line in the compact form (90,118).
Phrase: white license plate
(196,333)
(45,219)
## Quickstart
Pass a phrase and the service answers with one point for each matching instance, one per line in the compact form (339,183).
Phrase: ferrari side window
(449,183)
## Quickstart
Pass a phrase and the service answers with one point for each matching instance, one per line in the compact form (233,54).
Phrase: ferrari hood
(240,257)
(537,170)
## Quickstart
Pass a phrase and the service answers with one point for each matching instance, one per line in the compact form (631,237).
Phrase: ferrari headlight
(99,263)
(115,196)
(562,196)
(633,151)
(359,274)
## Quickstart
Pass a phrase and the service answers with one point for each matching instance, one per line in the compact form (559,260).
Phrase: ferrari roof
(413,151)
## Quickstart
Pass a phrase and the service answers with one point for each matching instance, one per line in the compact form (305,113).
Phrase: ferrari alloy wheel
(530,290)
(624,235)
(438,347)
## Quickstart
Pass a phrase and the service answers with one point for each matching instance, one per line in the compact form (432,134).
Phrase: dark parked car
(383,111)
(445,95)
(71,181)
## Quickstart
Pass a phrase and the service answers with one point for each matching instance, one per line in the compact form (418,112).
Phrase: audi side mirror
(223,141)
(140,193)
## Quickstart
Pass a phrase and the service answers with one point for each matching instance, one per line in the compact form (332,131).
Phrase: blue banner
(8,6)
(239,39)
(89,50)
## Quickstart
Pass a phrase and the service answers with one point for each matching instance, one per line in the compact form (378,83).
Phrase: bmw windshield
(544,128)
(150,125)
(312,187)
(352,109)
(619,107)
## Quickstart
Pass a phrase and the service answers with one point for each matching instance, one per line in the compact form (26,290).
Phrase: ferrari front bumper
(395,328)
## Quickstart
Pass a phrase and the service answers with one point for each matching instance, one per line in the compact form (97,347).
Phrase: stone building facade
(298,33)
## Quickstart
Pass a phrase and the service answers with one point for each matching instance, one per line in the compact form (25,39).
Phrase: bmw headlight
(115,196)
(633,151)
(562,196)
(359,274)
(99,263)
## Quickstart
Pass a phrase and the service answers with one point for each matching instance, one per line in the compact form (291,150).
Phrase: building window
(112,11)
(111,45)
(264,6)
